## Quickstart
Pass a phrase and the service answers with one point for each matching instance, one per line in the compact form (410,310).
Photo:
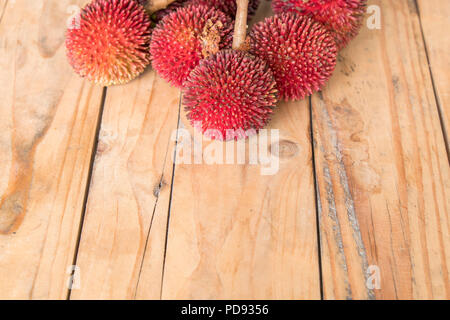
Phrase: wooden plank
(130,183)
(235,233)
(3,4)
(434,15)
(48,121)
(381,166)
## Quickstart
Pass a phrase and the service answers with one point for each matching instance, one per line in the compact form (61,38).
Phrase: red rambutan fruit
(300,52)
(226,6)
(186,36)
(108,42)
(231,95)
(342,17)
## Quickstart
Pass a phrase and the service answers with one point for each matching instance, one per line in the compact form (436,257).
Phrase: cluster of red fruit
(226,85)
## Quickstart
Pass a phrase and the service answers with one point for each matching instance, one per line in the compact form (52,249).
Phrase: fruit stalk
(240,25)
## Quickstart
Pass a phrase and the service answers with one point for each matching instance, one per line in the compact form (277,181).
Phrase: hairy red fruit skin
(231,90)
(176,46)
(341,17)
(108,43)
(300,52)
(226,6)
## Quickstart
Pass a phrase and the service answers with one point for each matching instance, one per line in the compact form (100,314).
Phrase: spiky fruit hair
(231,95)
(108,42)
(299,50)
(342,17)
(184,37)
(226,6)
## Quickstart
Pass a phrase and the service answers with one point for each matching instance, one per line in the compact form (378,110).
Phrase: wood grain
(130,183)
(434,16)
(48,120)
(236,233)
(381,166)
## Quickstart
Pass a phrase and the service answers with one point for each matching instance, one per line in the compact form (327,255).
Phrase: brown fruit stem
(155,5)
(240,25)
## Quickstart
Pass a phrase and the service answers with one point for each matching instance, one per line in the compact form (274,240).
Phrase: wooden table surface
(359,208)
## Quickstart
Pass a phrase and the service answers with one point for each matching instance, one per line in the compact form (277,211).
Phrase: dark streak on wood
(3,10)
(332,214)
(439,104)
(50,34)
(344,182)
(32,117)
(166,240)
(156,192)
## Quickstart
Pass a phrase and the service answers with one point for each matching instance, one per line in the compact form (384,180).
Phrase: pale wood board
(434,17)
(48,121)
(125,195)
(381,166)
(236,233)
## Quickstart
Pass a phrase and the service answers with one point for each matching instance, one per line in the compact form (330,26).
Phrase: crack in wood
(349,204)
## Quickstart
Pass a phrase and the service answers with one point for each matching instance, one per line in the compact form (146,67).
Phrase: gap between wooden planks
(128,197)
(237,234)
(382,169)
(232,233)
(434,15)
(48,121)
(356,166)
